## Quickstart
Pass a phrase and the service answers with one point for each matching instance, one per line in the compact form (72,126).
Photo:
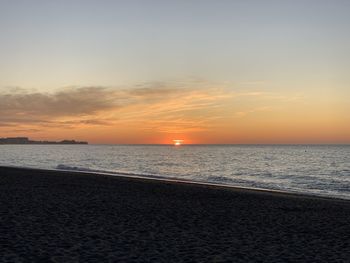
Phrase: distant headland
(25,140)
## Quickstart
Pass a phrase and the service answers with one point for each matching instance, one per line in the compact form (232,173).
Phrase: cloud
(241,114)
(102,106)
(165,107)
(19,107)
(156,91)
(67,102)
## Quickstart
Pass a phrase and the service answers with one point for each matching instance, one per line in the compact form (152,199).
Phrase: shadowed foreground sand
(65,217)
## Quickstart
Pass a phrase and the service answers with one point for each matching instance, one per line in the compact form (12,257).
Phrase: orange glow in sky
(209,114)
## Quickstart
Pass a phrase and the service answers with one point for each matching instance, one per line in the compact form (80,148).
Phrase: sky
(154,71)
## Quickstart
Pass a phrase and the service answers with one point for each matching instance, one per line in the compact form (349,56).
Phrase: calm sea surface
(321,170)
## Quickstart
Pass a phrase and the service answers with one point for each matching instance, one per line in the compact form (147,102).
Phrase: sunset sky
(154,71)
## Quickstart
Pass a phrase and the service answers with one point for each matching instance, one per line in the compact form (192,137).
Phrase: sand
(70,217)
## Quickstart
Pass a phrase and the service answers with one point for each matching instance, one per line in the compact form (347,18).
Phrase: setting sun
(178,142)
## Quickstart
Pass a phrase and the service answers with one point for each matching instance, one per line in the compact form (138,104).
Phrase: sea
(322,170)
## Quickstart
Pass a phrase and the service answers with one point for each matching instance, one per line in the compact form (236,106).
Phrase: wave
(213,180)
(64,167)
(339,191)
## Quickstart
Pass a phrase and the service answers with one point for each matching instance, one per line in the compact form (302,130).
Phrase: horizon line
(193,144)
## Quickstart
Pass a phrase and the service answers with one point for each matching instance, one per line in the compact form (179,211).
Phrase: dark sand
(67,217)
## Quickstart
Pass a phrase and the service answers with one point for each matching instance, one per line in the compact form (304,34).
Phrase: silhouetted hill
(25,140)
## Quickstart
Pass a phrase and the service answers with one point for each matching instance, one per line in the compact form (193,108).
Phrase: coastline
(78,216)
(133,176)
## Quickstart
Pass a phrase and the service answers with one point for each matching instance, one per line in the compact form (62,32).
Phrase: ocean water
(312,169)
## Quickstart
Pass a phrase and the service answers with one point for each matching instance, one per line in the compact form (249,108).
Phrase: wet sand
(53,216)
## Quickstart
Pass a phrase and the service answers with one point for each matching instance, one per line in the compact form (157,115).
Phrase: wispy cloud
(241,114)
(187,106)
(91,106)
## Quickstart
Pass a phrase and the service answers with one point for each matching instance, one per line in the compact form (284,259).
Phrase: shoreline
(182,182)
(59,216)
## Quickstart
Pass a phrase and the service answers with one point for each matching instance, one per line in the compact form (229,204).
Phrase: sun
(178,142)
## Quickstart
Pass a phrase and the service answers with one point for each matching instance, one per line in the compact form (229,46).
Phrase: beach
(58,216)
